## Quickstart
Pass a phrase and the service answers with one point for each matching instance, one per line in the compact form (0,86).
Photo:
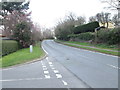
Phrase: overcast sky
(48,12)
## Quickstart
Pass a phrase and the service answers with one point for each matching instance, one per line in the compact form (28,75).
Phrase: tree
(22,34)
(47,34)
(92,19)
(114,4)
(80,20)
(11,13)
(103,18)
(115,19)
(36,33)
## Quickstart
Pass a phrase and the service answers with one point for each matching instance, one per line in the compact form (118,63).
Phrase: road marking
(44,50)
(10,80)
(47,58)
(55,71)
(113,66)
(53,68)
(65,83)
(47,76)
(44,68)
(58,75)
(42,63)
(50,63)
(46,72)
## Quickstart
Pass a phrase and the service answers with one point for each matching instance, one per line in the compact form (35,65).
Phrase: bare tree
(92,19)
(80,20)
(115,19)
(103,18)
(114,4)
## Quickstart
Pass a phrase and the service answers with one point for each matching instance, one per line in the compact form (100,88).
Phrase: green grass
(98,49)
(22,56)
(102,46)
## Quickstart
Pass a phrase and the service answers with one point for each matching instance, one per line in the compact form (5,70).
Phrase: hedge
(90,27)
(83,36)
(9,46)
(109,36)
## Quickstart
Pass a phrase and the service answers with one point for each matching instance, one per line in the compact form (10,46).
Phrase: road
(64,67)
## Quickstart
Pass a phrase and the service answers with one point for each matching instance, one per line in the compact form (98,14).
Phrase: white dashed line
(52,68)
(44,66)
(58,75)
(50,63)
(47,76)
(55,71)
(46,72)
(65,83)
(44,69)
(113,66)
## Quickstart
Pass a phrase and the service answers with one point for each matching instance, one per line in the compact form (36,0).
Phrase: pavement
(64,67)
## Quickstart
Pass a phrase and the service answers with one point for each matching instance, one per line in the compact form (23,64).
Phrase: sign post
(31,48)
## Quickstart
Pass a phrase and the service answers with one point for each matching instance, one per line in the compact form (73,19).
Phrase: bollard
(31,48)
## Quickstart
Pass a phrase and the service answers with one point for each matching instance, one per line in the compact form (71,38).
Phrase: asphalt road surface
(64,67)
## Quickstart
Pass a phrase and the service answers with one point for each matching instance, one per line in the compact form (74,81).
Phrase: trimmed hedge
(9,46)
(90,27)
(83,36)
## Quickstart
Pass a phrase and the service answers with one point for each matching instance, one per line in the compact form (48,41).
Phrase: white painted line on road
(58,75)
(53,68)
(42,63)
(47,76)
(50,63)
(44,50)
(113,66)
(55,71)
(10,80)
(47,58)
(65,83)
(46,72)
(44,68)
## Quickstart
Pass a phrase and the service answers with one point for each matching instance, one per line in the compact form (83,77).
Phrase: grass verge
(22,56)
(70,43)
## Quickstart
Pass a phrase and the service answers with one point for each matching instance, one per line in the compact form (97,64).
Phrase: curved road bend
(65,67)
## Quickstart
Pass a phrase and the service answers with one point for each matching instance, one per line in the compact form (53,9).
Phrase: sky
(48,12)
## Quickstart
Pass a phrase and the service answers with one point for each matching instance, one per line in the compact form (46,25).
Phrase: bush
(83,36)
(9,46)
(109,36)
(90,27)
